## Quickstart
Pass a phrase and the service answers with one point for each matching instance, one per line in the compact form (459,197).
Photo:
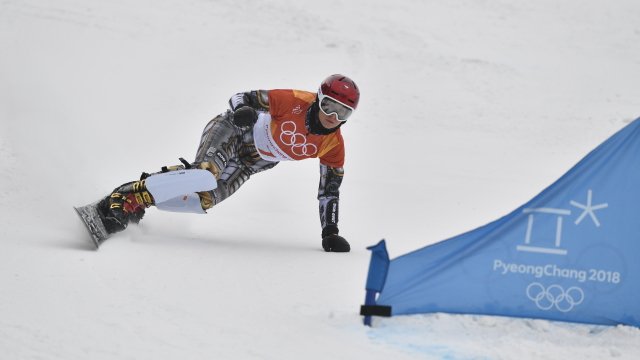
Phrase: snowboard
(92,221)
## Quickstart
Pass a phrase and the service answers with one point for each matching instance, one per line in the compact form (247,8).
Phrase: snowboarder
(262,128)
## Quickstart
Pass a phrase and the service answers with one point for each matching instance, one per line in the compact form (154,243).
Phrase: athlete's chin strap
(312,121)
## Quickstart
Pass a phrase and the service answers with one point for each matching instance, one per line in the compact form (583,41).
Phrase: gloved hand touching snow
(332,242)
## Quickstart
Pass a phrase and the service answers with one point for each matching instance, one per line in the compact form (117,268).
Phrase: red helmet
(342,89)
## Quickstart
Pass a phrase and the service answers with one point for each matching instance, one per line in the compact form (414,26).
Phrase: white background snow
(469,108)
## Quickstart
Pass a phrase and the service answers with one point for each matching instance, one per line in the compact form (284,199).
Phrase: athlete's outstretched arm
(329,196)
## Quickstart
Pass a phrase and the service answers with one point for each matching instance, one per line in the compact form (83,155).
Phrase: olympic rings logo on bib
(297,141)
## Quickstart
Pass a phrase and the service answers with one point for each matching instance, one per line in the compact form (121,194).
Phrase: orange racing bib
(282,135)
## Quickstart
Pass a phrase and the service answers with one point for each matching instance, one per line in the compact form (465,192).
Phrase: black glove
(245,116)
(332,242)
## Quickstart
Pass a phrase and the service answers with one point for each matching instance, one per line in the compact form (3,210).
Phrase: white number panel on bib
(267,147)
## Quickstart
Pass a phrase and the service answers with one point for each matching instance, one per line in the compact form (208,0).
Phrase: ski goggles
(330,106)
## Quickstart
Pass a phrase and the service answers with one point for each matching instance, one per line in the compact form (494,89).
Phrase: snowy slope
(468,109)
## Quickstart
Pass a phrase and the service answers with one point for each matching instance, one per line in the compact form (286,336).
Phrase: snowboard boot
(127,203)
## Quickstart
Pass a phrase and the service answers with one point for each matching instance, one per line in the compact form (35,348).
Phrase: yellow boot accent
(147,198)
(206,200)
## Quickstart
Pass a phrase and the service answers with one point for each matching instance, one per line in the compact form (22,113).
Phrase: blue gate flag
(378,266)
(569,254)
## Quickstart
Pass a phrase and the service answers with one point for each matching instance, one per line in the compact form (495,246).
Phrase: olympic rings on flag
(555,296)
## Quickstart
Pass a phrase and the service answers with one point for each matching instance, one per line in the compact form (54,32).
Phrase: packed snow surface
(469,109)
